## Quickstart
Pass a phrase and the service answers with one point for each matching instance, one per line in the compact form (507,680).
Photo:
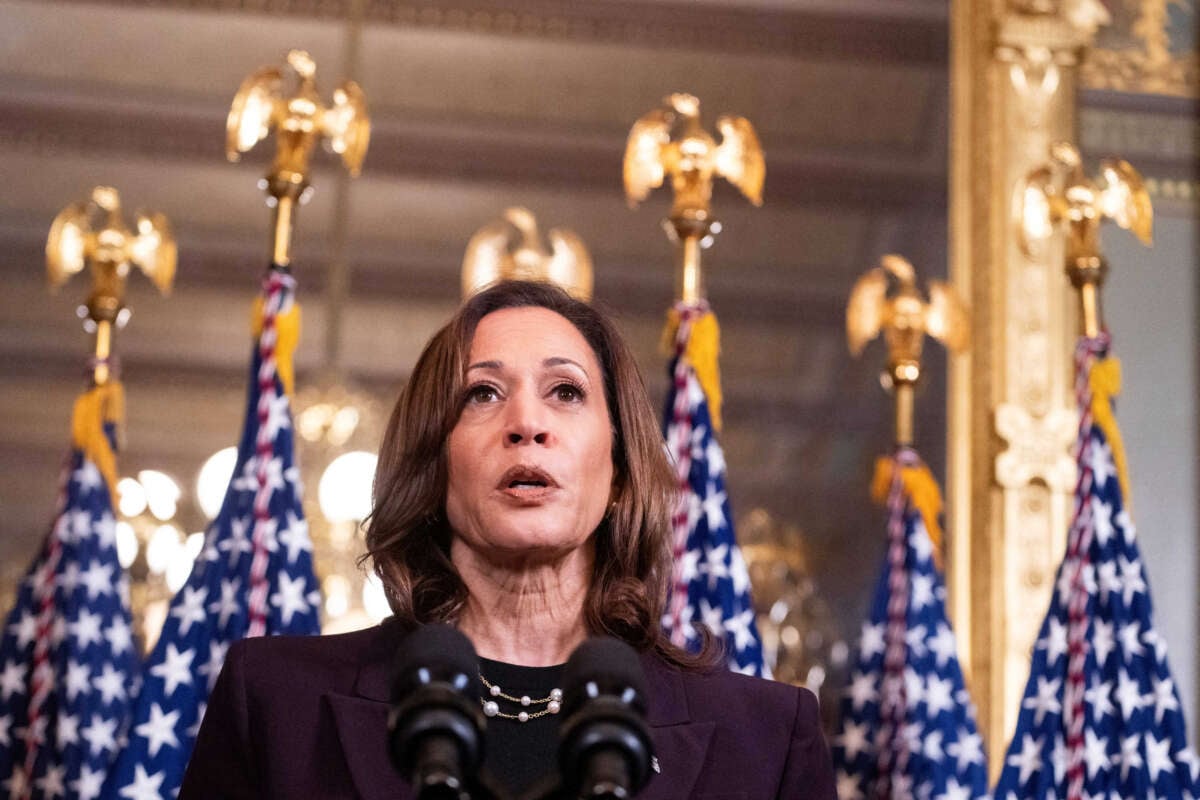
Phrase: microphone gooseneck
(435,727)
(605,748)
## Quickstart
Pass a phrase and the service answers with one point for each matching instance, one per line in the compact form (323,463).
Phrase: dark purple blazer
(306,717)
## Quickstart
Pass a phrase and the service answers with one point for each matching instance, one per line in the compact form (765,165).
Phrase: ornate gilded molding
(1149,49)
(1011,418)
(1038,448)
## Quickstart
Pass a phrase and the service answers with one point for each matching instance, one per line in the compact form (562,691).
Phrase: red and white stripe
(278,286)
(42,677)
(892,747)
(679,443)
(1079,541)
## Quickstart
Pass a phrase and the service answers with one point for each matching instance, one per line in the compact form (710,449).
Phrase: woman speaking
(522,495)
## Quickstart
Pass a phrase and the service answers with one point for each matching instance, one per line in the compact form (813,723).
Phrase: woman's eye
(568,393)
(482,394)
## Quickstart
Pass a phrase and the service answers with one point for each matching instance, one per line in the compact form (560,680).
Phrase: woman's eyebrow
(558,361)
(486,365)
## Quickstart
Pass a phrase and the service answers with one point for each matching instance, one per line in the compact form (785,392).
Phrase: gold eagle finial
(511,248)
(904,317)
(1059,196)
(887,298)
(300,120)
(93,233)
(670,140)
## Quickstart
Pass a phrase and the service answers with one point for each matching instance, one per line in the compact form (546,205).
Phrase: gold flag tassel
(287,332)
(98,406)
(922,492)
(701,350)
(1104,379)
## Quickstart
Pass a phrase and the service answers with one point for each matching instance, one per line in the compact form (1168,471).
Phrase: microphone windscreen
(435,653)
(610,666)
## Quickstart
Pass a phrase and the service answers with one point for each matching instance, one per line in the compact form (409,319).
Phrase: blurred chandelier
(800,640)
(338,428)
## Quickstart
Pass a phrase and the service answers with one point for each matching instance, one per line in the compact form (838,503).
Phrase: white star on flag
(175,670)
(159,730)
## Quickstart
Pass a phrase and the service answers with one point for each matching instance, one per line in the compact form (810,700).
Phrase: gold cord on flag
(922,491)
(1104,379)
(287,332)
(702,351)
(93,409)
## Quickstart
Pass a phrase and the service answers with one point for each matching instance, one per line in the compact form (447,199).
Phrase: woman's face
(530,458)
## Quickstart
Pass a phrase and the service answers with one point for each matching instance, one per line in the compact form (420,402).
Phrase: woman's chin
(527,547)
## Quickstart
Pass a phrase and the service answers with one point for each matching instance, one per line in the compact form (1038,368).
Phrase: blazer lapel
(361,721)
(362,731)
(680,745)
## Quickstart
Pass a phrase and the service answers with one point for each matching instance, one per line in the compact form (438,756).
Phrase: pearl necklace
(491,708)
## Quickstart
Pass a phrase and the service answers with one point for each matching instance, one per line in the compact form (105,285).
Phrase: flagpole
(264,587)
(669,142)
(689,231)
(80,542)
(300,121)
(874,755)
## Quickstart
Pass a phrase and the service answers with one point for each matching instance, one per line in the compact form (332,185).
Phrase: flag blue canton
(908,726)
(710,582)
(68,663)
(254,576)
(1129,727)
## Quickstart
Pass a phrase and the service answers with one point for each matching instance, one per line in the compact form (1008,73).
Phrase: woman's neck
(527,613)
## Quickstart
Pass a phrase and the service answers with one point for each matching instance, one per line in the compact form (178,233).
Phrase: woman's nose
(525,422)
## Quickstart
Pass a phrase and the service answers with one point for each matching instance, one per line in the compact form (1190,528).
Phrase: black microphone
(605,748)
(435,726)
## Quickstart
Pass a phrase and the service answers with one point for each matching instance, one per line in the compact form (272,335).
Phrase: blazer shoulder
(757,702)
(299,661)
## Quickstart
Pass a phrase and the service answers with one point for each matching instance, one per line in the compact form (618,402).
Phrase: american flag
(908,726)
(710,583)
(1101,716)
(254,576)
(67,657)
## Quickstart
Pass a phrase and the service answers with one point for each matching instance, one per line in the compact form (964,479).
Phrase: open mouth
(525,478)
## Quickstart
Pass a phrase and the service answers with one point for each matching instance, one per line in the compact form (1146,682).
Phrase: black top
(518,754)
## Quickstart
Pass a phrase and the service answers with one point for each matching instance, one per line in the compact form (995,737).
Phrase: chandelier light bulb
(127,543)
(132,497)
(214,480)
(162,493)
(162,548)
(344,492)
(375,599)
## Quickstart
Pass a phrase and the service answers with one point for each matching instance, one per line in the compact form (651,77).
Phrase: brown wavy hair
(408,535)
